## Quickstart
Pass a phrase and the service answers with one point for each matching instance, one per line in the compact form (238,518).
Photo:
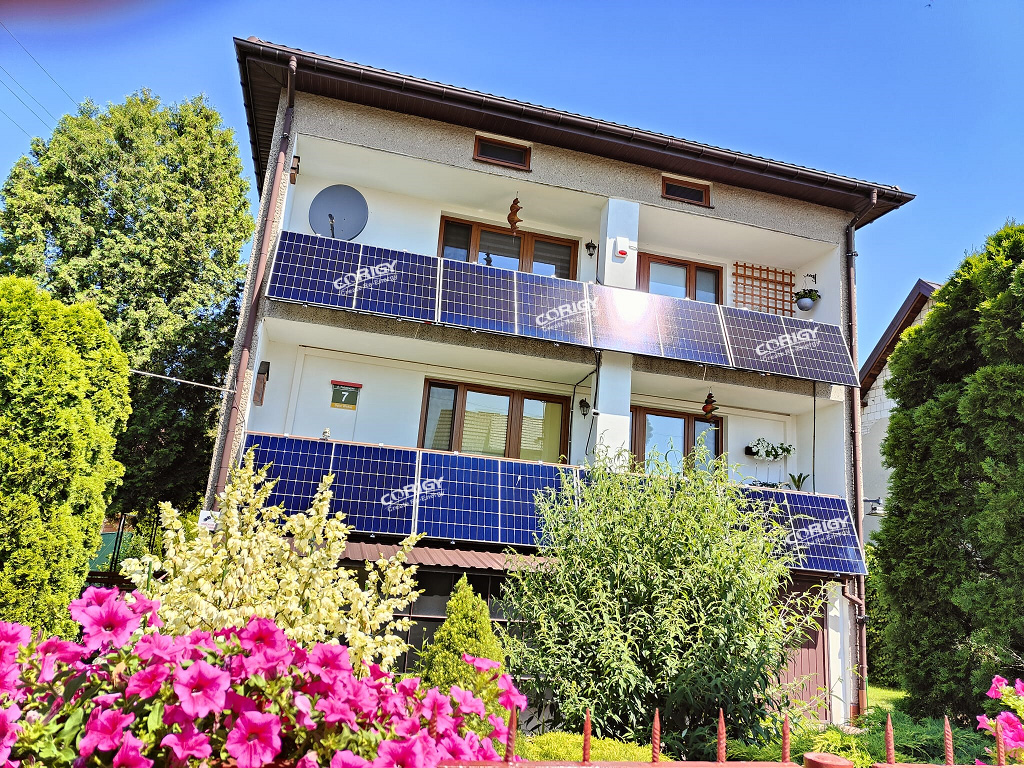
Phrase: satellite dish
(339,211)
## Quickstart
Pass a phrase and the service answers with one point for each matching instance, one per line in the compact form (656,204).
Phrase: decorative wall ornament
(513,216)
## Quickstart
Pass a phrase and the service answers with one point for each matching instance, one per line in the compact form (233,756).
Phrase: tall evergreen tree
(952,541)
(142,208)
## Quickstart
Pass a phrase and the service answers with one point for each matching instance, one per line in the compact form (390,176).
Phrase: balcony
(342,275)
(457,497)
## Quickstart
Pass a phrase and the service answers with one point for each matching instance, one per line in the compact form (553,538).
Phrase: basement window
(686,191)
(502,153)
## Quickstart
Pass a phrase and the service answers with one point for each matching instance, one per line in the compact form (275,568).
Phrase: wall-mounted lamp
(584,407)
(591,248)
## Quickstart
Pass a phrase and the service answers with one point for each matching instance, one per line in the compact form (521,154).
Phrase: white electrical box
(621,248)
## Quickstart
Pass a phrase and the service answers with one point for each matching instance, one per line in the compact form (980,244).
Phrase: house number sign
(345,394)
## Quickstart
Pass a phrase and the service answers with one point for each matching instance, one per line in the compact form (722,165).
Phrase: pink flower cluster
(1011,727)
(129,696)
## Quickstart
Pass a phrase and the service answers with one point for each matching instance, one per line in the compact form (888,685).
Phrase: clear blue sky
(921,94)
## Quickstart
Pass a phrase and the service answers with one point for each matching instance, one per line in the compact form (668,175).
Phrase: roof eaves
(902,320)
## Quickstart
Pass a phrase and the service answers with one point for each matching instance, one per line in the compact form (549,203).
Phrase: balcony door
(672,435)
(497,247)
(680,279)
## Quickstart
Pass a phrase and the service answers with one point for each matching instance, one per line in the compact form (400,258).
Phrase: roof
(263,68)
(360,551)
(904,318)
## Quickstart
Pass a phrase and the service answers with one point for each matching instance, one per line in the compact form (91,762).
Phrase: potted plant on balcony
(806,298)
(771,453)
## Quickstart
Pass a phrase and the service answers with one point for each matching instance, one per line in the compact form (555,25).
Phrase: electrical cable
(181,381)
(26,50)
(29,94)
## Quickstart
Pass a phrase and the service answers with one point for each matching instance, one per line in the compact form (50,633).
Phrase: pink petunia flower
(147,681)
(111,623)
(104,730)
(437,708)
(159,649)
(303,710)
(145,608)
(264,636)
(408,686)
(93,597)
(53,650)
(9,730)
(309,760)
(130,754)
(328,661)
(11,636)
(106,700)
(201,688)
(468,703)
(500,732)
(1013,731)
(510,695)
(347,759)
(984,724)
(188,743)
(1018,687)
(337,711)
(175,715)
(255,740)
(480,665)
(418,752)
(455,747)
(997,683)
(10,673)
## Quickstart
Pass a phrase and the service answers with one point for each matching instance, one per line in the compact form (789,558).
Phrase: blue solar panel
(520,482)
(298,465)
(397,283)
(552,309)
(314,270)
(478,296)
(375,487)
(464,504)
(758,341)
(691,330)
(625,321)
(820,352)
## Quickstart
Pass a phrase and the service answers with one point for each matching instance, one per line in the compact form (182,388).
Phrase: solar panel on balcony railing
(375,487)
(758,341)
(314,270)
(820,352)
(463,503)
(624,321)
(477,296)
(520,482)
(298,465)
(552,309)
(691,330)
(397,283)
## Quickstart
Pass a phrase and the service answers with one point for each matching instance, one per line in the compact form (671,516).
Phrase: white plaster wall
(743,430)
(829,309)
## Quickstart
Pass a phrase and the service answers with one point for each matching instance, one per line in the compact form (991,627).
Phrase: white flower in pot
(806,298)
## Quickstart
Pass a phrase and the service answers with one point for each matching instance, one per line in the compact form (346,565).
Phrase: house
(455,298)
(875,406)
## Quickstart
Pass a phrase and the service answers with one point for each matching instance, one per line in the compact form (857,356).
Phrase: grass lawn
(883,697)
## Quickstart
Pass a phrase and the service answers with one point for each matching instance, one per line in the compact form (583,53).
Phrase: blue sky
(921,94)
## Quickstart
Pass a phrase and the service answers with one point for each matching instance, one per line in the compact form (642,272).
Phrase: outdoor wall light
(591,248)
(584,407)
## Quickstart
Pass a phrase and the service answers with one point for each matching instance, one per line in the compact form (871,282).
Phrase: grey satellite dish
(338,211)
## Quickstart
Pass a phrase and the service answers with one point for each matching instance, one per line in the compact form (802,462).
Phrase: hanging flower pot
(806,298)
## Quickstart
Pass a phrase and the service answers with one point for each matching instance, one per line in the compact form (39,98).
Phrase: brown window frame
(525,249)
(638,431)
(643,273)
(514,432)
(499,142)
(705,188)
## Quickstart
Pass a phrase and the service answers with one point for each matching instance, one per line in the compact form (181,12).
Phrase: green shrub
(558,745)
(63,400)
(884,670)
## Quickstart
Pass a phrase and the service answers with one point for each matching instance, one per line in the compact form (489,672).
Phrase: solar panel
(624,321)
(820,352)
(477,296)
(464,501)
(520,482)
(397,283)
(691,330)
(758,341)
(552,309)
(298,464)
(314,270)
(374,487)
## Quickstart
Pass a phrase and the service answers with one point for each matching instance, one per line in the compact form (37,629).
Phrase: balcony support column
(620,231)
(611,426)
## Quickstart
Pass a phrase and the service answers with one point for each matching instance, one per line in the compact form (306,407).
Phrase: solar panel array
(459,497)
(333,273)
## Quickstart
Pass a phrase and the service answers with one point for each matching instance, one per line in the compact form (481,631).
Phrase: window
(501,153)
(681,279)
(498,247)
(494,422)
(673,434)
(686,191)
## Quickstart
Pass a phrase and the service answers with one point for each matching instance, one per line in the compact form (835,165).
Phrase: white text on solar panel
(814,530)
(379,273)
(802,339)
(562,312)
(428,488)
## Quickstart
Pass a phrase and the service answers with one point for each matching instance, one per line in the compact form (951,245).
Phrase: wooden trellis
(765,289)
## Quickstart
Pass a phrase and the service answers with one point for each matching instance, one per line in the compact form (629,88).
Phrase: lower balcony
(457,497)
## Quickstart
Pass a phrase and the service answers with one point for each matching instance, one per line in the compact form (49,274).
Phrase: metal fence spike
(586,737)
(721,736)
(890,749)
(656,738)
(1000,746)
(510,742)
(785,738)
(947,740)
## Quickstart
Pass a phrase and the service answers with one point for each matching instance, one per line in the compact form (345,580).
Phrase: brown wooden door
(807,676)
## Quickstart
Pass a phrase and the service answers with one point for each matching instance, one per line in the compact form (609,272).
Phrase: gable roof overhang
(263,68)
(903,319)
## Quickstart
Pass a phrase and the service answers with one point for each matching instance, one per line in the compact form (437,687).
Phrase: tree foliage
(884,669)
(142,208)
(656,591)
(952,541)
(63,401)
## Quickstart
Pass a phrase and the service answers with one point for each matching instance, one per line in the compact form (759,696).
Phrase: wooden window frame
(514,431)
(638,433)
(643,273)
(527,240)
(501,143)
(705,188)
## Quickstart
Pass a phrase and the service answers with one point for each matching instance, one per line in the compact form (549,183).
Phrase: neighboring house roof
(263,68)
(904,318)
(361,551)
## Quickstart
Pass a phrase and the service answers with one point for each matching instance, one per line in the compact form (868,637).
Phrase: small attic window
(504,153)
(686,191)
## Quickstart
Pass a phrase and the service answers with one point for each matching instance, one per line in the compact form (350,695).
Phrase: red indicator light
(622,253)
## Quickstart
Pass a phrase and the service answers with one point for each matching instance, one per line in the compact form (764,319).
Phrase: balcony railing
(334,273)
(459,497)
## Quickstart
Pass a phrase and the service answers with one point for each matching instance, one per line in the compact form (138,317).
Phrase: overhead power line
(181,381)
(26,50)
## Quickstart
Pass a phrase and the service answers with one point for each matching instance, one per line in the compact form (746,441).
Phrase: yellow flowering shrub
(261,561)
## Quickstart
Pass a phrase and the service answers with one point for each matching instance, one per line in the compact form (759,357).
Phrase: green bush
(655,591)
(466,630)
(883,669)
(63,400)
(557,745)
